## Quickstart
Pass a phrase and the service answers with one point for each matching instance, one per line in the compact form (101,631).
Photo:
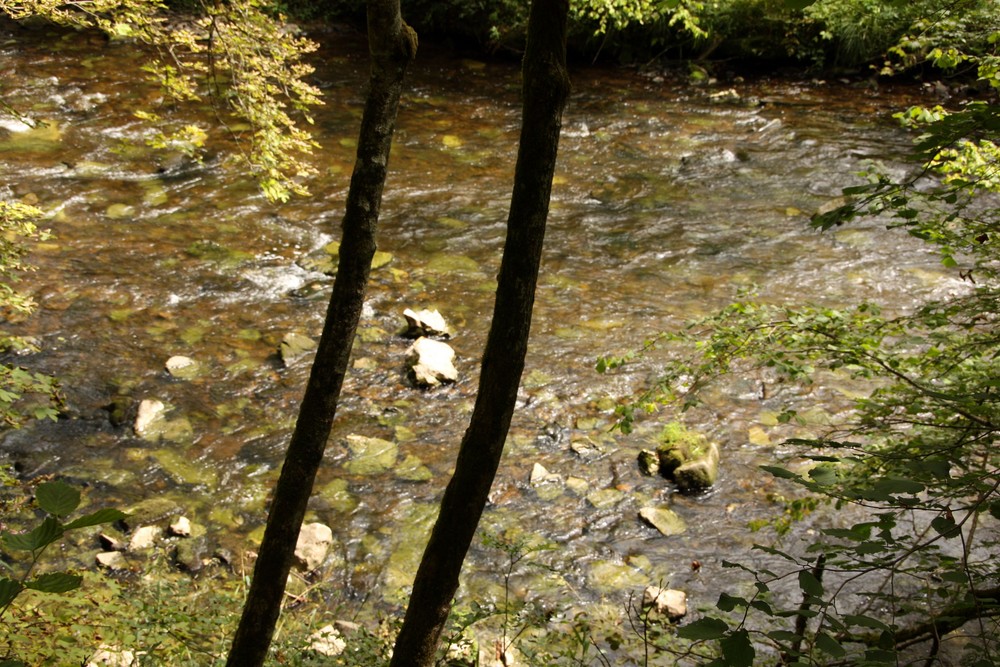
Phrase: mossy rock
(699,474)
(370,456)
(687,457)
(678,445)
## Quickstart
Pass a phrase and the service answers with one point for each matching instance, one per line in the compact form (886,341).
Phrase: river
(669,198)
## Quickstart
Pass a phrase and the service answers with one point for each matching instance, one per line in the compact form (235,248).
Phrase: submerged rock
(431,362)
(294,346)
(412,469)
(663,519)
(370,456)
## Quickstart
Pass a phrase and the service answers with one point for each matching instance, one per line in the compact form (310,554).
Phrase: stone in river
(431,362)
(663,519)
(182,367)
(425,323)
(151,414)
(667,601)
(312,546)
(294,346)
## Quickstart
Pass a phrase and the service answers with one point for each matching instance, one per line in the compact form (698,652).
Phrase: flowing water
(666,202)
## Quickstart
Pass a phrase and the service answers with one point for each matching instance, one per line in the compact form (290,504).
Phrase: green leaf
(894,486)
(865,622)
(824,475)
(779,472)
(96,518)
(809,584)
(57,498)
(829,645)
(737,649)
(946,527)
(798,4)
(870,547)
(9,590)
(12,663)
(728,602)
(54,582)
(43,535)
(704,628)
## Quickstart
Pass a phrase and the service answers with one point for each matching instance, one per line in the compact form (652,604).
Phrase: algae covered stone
(370,456)
(663,519)
(687,457)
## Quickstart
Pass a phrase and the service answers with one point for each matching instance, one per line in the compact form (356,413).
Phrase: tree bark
(392,45)
(545,90)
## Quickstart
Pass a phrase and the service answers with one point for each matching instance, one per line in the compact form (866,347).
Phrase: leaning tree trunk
(546,87)
(392,45)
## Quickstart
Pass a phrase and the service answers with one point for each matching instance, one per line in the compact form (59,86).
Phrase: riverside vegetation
(916,455)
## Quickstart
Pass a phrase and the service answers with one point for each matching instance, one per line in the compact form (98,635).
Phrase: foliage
(57,500)
(17,229)
(239,55)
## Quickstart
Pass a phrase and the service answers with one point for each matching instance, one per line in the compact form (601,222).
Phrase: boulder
(686,457)
(425,323)
(700,473)
(312,546)
(431,362)
(665,601)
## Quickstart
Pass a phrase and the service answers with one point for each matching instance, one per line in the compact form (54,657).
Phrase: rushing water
(666,203)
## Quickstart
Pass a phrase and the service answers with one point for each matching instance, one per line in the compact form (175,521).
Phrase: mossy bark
(392,45)
(546,88)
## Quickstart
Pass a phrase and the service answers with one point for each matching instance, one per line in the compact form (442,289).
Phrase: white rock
(426,323)
(327,641)
(432,362)
(113,560)
(312,546)
(540,475)
(180,366)
(181,527)
(668,601)
(109,656)
(150,412)
(144,538)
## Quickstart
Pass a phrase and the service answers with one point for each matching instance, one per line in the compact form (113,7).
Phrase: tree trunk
(545,89)
(392,45)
